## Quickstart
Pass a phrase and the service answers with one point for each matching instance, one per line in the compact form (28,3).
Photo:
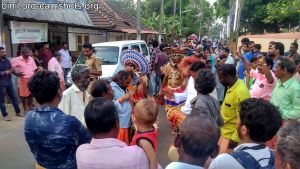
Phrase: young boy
(145,115)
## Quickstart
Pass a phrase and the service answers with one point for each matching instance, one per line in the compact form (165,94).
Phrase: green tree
(258,16)
(127,5)
(284,13)
(196,15)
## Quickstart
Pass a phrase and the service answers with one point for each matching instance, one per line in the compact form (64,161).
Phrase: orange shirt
(27,67)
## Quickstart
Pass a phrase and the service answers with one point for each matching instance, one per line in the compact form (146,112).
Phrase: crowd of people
(227,109)
(19,70)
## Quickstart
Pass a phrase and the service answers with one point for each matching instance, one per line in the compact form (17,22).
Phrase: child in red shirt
(144,116)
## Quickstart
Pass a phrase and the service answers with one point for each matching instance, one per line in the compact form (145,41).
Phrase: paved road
(15,153)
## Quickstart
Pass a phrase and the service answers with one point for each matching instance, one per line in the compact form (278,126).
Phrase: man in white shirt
(76,97)
(229,59)
(196,141)
(66,62)
(258,122)
(190,88)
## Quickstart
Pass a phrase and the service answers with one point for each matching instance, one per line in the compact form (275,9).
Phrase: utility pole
(200,20)
(138,20)
(160,20)
(180,20)
(199,28)
(240,4)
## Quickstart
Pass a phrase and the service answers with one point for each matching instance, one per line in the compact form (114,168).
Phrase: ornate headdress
(135,58)
(175,52)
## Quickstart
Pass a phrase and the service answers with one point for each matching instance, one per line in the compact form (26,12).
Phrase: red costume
(150,136)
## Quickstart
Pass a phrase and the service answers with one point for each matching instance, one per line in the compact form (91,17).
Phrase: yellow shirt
(230,109)
(93,63)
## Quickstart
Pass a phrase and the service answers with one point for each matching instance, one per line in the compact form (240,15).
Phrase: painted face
(130,67)
(176,58)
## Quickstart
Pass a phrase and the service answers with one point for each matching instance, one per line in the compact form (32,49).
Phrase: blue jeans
(156,82)
(9,90)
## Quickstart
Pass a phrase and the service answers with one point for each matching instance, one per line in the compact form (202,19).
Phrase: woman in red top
(144,116)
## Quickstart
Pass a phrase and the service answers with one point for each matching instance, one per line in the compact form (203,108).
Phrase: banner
(28,32)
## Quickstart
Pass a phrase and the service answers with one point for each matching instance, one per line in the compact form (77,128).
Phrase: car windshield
(109,55)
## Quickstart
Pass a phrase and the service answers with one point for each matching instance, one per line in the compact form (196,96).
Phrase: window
(119,38)
(144,50)
(125,48)
(136,47)
(80,40)
(108,55)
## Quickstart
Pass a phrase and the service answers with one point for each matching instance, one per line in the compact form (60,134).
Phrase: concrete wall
(95,36)
(264,41)
(72,41)
(112,36)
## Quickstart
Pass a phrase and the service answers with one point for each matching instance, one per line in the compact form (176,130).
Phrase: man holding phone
(265,79)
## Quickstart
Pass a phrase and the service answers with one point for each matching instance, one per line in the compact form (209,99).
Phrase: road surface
(15,153)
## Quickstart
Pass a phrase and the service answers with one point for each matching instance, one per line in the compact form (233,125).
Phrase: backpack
(249,162)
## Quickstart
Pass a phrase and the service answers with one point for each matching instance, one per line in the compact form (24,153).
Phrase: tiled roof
(65,16)
(111,17)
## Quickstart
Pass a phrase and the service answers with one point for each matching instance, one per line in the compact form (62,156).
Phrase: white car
(109,53)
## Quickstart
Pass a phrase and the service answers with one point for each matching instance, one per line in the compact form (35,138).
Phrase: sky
(212,1)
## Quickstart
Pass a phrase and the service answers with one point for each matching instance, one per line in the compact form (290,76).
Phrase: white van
(109,53)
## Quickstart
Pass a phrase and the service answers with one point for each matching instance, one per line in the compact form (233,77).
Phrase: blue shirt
(241,68)
(126,108)
(255,54)
(53,137)
(5,80)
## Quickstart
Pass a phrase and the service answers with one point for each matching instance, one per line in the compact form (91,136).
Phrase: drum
(176,117)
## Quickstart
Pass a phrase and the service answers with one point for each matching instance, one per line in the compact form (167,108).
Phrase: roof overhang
(133,31)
